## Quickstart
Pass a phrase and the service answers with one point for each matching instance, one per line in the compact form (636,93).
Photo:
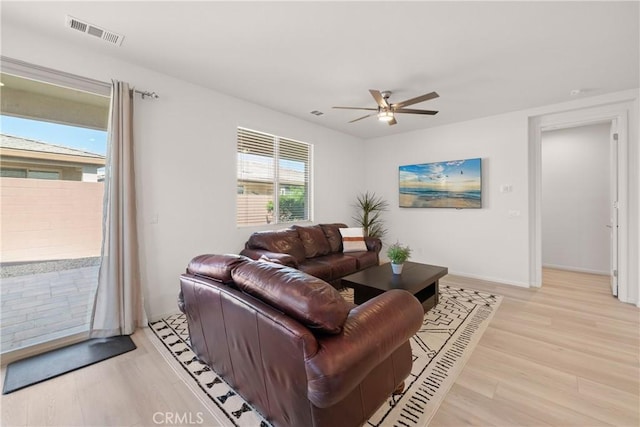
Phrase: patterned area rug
(440,349)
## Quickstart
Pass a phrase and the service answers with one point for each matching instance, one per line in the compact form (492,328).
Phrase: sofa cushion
(283,241)
(332,233)
(313,239)
(316,268)
(216,267)
(364,259)
(341,264)
(311,301)
(353,239)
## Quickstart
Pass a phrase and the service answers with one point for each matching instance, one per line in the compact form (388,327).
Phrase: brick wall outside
(49,220)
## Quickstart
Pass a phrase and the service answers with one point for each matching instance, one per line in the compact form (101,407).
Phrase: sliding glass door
(52,159)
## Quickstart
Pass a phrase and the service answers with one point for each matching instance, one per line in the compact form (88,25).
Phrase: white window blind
(273,179)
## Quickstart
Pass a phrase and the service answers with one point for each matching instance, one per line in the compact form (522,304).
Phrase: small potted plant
(398,254)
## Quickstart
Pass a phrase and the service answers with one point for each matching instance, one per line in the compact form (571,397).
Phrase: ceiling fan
(386,112)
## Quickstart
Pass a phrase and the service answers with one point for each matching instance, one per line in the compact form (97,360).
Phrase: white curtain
(118,307)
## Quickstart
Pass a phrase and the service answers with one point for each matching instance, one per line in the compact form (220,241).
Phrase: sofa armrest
(181,305)
(284,259)
(373,244)
(372,332)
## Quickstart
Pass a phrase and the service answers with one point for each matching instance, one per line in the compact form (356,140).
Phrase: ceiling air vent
(94,30)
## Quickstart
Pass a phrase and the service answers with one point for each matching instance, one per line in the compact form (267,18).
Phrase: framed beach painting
(453,184)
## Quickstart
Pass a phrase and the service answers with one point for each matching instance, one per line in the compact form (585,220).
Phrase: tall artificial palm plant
(369,214)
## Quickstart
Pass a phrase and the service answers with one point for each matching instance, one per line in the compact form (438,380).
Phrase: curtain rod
(146,94)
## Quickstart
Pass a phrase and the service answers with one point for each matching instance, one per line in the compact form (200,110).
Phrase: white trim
(49,75)
(576,269)
(158,317)
(535,197)
(613,211)
(489,279)
(613,112)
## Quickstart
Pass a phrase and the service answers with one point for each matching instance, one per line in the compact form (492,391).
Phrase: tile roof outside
(18,143)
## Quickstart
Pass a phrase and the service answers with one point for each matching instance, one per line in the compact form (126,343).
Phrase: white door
(613,209)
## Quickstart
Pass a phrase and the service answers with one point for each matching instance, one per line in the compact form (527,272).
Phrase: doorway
(52,160)
(617,115)
(579,189)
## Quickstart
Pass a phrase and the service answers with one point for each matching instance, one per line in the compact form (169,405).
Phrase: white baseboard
(576,269)
(161,316)
(497,280)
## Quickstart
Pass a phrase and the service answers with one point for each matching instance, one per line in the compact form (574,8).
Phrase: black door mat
(35,369)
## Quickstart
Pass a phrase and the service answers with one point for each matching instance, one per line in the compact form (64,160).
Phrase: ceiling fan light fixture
(386,111)
(385,115)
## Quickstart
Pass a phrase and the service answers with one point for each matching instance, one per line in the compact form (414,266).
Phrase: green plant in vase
(398,254)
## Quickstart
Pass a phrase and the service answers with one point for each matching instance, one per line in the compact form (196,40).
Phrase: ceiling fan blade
(360,118)
(392,122)
(412,111)
(415,100)
(356,108)
(379,99)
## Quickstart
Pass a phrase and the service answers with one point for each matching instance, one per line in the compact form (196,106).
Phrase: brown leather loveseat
(314,249)
(291,345)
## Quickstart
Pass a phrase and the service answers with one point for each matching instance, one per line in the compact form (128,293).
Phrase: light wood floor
(134,389)
(566,354)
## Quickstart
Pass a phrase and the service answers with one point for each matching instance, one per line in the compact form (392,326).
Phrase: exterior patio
(51,233)
(45,301)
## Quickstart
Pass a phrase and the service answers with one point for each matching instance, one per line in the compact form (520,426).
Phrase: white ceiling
(483,58)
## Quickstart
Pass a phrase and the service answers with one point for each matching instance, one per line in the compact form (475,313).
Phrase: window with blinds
(273,179)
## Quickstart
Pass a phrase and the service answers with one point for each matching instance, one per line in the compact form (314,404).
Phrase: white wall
(186,162)
(576,198)
(485,243)
(492,243)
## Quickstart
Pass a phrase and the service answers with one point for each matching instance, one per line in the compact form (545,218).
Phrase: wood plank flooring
(562,355)
(566,354)
(134,389)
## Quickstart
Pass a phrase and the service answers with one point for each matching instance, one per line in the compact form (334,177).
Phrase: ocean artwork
(453,184)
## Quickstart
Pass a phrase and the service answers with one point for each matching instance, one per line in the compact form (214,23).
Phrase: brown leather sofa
(291,345)
(314,249)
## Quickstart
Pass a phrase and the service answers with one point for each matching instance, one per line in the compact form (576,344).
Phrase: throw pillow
(353,240)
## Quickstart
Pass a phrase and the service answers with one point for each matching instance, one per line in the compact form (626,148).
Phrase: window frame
(31,71)
(278,189)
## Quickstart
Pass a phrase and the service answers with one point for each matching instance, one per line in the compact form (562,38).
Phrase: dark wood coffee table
(420,279)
